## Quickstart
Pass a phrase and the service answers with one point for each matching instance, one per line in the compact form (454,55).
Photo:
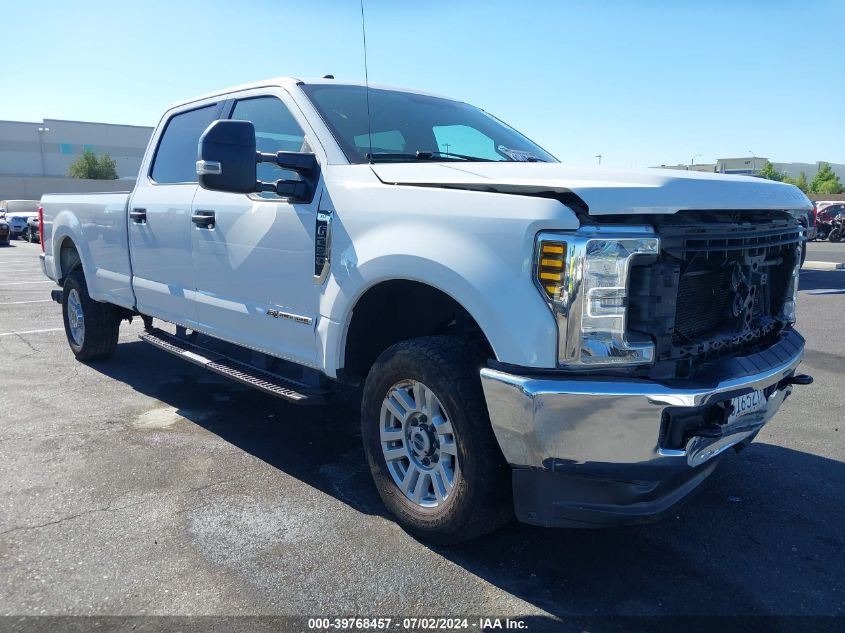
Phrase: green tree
(825,180)
(801,182)
(89,165)
(770,173)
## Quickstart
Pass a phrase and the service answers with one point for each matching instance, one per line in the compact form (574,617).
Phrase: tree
(89,165)
(825,180)
(801,182)
(770,173)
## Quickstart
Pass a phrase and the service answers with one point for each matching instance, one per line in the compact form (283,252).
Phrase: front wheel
(91,327)
(429,443)
(835,235)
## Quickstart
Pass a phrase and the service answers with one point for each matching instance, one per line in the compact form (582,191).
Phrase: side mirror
(227,157)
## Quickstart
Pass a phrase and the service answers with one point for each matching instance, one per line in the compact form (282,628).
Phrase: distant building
(747,165)
(751,165)
(35,157)
(48,148)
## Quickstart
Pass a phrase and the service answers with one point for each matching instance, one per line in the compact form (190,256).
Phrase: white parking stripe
(24,283)
(52,329)
(17,303)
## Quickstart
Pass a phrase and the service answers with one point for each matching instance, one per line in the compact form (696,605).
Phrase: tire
(97,338)
(803,253)
(479,499)
(835,235)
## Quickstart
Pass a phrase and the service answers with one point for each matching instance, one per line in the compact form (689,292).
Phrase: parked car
(827,212)
(32,233)
(18,224)
(5,232)
(575,345)
(17,212)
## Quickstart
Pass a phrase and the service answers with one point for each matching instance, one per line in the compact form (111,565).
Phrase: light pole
(753,161)
(692,160)
(599,157)
(41,131)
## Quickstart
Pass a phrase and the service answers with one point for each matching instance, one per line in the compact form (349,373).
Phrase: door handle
(139,216)
(203,219)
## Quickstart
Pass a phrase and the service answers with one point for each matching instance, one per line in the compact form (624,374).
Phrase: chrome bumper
(580,424)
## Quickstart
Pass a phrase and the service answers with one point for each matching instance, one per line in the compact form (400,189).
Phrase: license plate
(747,404)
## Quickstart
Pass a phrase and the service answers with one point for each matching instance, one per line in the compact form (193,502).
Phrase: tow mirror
(227,158)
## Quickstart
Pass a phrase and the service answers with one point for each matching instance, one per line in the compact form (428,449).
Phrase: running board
(260,379)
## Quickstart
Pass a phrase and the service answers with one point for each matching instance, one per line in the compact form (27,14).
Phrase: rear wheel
(91,327)
(835,235)
(429,443)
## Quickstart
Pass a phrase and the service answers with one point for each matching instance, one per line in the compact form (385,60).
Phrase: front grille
(718,288)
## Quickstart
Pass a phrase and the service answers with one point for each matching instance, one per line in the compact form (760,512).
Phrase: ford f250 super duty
(575,346)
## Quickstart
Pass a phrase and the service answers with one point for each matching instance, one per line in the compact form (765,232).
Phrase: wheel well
(68,258)
(397,310)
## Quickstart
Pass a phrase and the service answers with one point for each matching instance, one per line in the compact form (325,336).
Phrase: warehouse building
(751,166)
(35,156)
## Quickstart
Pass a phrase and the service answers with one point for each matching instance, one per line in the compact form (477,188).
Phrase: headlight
(584,276)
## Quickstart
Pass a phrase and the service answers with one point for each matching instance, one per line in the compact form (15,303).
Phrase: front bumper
(590,450)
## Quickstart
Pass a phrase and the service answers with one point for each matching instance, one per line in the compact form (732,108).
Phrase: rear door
(254,267)
(160,218)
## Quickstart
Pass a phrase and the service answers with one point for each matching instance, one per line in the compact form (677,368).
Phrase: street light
(753,160)
(692,161)
(599,157)
(41,131)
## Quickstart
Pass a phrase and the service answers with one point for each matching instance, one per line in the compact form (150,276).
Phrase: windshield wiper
(424,155)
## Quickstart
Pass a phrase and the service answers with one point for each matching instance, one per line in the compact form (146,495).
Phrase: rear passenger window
(275,131)
(176,157)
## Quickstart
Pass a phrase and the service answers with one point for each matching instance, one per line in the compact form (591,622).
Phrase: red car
(826,212)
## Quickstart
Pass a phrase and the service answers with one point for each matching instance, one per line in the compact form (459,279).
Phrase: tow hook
(797,379)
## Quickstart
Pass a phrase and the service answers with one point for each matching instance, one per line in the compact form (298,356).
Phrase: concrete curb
(808,265)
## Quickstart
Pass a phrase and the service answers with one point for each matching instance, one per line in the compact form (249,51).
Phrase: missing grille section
(717,290)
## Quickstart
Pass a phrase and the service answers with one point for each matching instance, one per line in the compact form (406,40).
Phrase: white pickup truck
(575,346)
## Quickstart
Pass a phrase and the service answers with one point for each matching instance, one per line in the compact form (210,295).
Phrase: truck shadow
(763,535)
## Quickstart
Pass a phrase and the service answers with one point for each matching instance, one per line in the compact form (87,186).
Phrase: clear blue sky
(640,82)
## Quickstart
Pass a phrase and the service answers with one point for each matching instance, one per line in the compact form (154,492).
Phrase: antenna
(367,85)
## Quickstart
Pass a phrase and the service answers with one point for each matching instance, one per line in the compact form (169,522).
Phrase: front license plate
(747,404)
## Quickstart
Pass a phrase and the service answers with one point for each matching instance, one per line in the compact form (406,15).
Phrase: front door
(254,265)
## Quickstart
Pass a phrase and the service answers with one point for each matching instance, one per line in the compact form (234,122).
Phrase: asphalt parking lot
(142,485)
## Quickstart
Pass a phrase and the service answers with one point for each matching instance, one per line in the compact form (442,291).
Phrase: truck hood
(605,191)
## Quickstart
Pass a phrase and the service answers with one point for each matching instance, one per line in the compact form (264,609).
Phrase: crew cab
(577,347)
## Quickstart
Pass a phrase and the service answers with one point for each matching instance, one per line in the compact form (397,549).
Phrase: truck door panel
(254,267)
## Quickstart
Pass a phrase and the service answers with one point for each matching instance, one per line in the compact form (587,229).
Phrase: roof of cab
(290,83)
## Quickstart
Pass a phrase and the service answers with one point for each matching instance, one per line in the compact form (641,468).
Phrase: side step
(261,379)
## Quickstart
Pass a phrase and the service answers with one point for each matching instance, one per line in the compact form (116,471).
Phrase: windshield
(409,127)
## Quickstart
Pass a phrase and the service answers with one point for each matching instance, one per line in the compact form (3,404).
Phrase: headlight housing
(584,276)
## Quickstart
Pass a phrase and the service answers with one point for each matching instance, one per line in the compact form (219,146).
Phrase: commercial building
(751,165)
(35,156)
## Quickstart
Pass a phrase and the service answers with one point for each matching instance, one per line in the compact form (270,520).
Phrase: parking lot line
(52,329)
(25,283)
(16,303)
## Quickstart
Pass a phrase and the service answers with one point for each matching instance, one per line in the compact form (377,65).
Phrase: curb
(808,265)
